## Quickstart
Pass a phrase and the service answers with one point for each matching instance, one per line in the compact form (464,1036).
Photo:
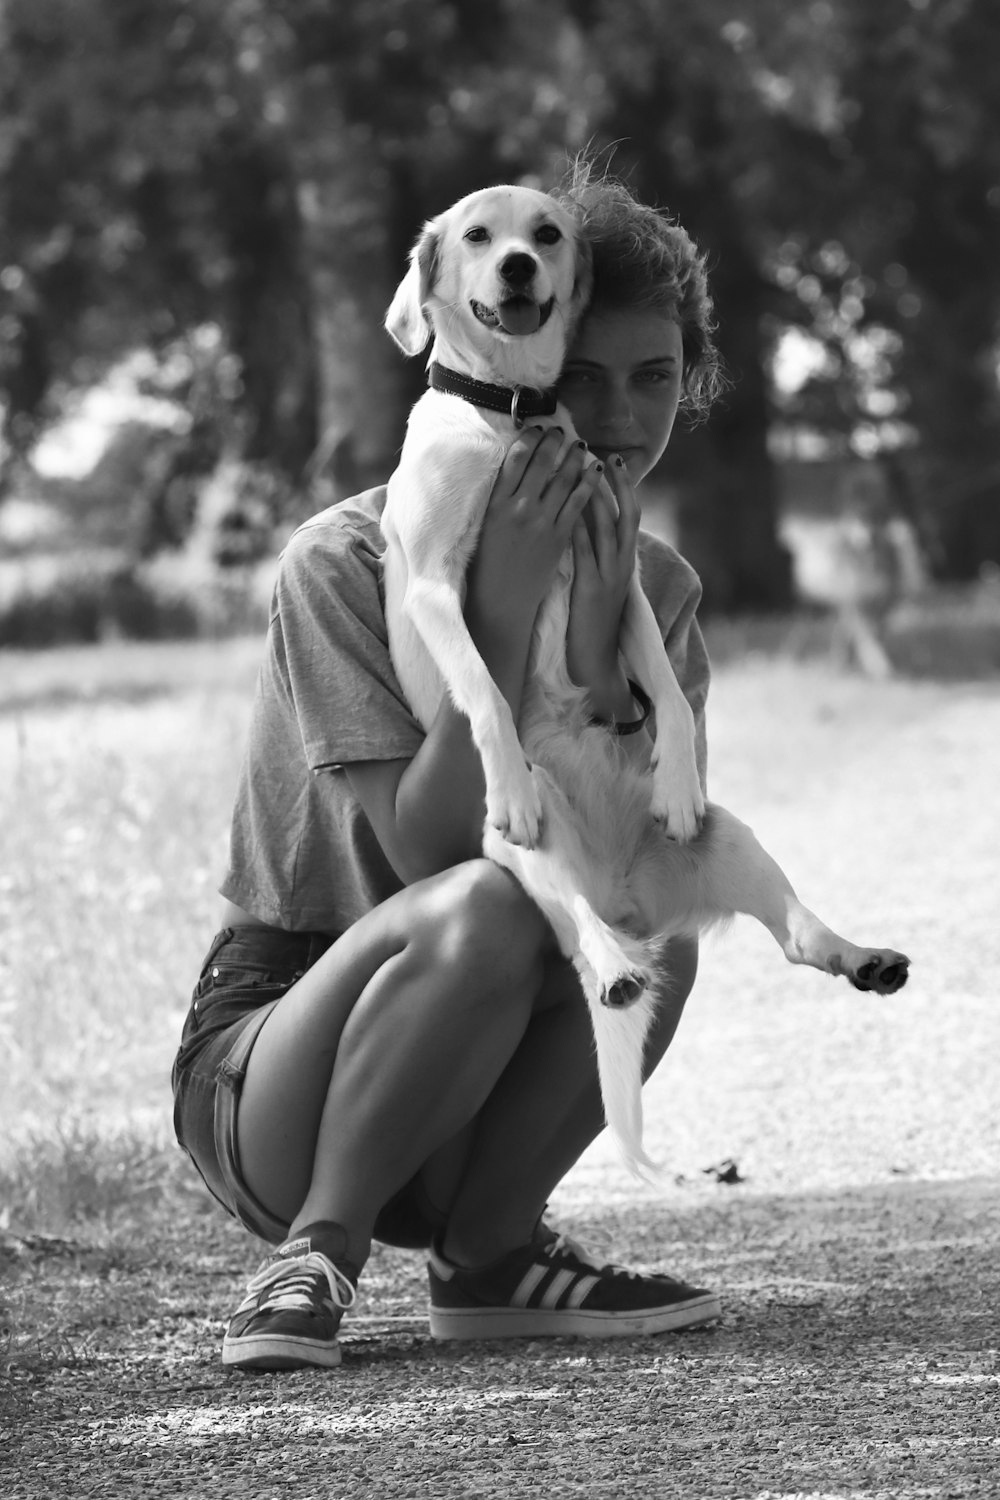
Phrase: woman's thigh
(245,974)
(469,929)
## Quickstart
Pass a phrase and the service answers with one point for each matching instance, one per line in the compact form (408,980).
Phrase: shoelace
(565,1242)
(609,1268)
(292,1282)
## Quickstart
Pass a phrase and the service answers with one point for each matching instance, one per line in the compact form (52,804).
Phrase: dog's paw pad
(883,972)
(624,991)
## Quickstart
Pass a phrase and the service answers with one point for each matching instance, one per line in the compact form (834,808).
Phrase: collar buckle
(519,401)
(520,393)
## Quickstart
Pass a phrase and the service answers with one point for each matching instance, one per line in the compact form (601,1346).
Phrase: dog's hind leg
(552,873)
(677,805)
(736,874)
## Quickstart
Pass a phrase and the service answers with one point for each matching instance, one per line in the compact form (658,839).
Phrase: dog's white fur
(618,858)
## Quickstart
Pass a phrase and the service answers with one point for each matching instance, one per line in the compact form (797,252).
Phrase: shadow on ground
(857,1357)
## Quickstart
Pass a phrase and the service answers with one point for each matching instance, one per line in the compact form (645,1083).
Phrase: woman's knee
(478,917)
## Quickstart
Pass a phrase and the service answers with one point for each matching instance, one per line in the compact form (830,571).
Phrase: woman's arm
(428,812)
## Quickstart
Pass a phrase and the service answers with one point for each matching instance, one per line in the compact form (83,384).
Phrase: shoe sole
(528,1322)
(275,1353)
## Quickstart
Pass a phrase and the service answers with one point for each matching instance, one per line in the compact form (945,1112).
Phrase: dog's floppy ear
(406,320)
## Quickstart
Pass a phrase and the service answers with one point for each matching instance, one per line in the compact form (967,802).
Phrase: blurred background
(205,206)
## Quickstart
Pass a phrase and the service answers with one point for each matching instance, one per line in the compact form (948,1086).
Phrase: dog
(619,858)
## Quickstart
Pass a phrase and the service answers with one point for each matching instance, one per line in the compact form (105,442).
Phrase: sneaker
(548,1288)
(294,1304)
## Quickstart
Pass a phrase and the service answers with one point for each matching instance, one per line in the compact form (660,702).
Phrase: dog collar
(519,401)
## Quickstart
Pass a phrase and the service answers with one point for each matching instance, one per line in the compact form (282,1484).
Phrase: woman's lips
(603,453)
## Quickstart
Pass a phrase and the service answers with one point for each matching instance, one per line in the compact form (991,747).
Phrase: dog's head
(500,279)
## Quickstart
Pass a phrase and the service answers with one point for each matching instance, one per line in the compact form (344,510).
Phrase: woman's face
(622,383)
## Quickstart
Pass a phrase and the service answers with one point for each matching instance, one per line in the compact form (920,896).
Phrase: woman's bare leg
(387,1047)
(442,1034)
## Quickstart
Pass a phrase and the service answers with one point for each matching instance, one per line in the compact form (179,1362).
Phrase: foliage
(252,174)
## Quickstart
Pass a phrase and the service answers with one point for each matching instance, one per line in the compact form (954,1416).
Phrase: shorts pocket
(230,990)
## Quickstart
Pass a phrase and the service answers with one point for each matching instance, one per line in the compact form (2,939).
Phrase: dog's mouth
(518,316)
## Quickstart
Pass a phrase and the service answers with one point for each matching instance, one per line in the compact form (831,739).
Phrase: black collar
(518,402)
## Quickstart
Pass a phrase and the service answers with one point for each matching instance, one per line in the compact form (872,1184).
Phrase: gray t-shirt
(303,855)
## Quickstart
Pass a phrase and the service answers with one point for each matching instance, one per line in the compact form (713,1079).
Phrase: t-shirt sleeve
(330,646)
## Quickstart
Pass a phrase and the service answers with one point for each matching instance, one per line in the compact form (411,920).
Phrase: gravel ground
(857,1356)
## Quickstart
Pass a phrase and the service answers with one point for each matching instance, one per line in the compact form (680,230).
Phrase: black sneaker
(548,1288)
(294,1304)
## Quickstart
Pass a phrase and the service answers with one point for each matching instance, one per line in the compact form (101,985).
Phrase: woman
(384,1041)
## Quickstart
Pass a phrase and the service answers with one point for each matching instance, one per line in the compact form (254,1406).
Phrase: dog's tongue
(519,316)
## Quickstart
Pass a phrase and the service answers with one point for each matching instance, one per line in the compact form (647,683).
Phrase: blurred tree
(922,134)
(259,168)
(392,109)
(695,136)
(143,194)
(893,267)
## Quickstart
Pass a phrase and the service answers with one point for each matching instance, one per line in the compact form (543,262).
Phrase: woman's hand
(529,523)
(604,551)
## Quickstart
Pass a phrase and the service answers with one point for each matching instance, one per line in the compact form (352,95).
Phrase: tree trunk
(344,197)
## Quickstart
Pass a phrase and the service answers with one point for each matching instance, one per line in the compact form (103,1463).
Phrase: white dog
(618,858)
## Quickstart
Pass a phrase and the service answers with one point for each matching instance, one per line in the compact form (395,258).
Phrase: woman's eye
(548,234)
(477,235)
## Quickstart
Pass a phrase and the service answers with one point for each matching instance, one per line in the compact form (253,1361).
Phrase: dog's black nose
(518,269)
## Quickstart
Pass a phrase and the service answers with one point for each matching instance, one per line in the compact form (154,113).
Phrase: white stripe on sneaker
(527,1285)
(583,1286)
(556,1287)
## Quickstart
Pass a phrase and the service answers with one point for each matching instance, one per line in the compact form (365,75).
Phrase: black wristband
(634,725)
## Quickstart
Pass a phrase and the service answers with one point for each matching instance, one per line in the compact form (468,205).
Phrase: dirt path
(858,1357)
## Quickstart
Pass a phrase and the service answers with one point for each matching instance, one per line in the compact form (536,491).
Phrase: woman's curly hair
(643,258)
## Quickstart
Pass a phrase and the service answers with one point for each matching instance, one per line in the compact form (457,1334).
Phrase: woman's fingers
(629,514)
(522,466)
(533,472)
(603,516)
(578,504)
(558,485)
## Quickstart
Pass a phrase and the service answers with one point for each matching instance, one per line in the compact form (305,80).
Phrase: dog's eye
(477,235)
(548,234)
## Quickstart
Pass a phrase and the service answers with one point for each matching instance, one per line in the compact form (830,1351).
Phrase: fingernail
(581,444)
(619,461)
(599,468)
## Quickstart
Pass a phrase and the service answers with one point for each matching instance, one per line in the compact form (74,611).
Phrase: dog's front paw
(514,809)
(678,805)
(883,971)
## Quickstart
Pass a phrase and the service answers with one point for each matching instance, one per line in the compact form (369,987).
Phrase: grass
(116,772)
(117,768)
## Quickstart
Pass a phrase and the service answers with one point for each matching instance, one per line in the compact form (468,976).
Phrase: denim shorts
(246,972)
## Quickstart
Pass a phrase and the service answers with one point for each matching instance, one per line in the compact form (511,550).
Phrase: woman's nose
(617,413)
